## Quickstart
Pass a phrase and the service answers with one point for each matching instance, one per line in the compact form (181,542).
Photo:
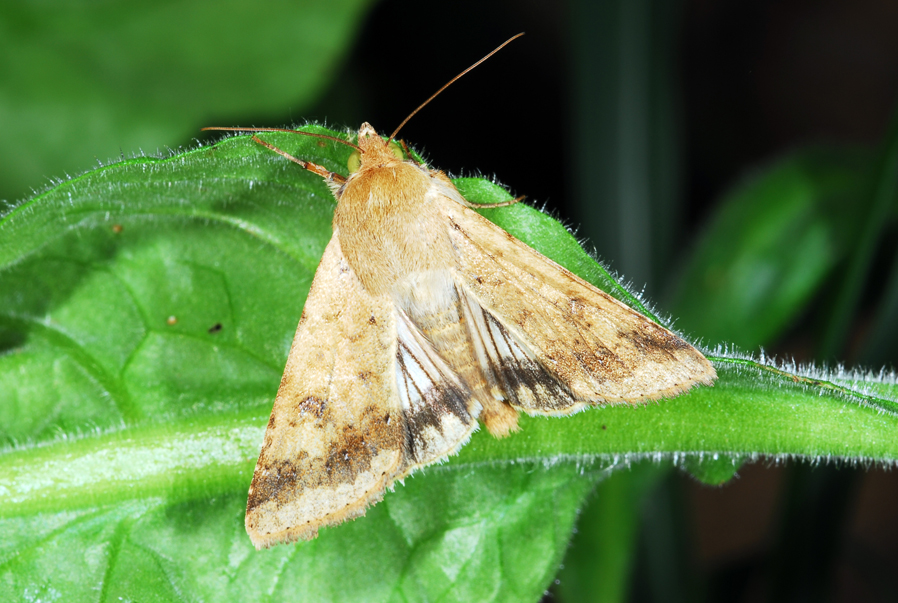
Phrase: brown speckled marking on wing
(595,347)
(335,438)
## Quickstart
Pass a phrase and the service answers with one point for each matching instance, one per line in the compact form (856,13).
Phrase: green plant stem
(753,410)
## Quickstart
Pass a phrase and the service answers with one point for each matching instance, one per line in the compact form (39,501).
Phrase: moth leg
(493,205)
(320,170)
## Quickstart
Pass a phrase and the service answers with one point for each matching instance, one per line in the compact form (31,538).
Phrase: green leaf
(442,536)
(773,242)
(606,537)
(715,470)
(84,80)
(146,311)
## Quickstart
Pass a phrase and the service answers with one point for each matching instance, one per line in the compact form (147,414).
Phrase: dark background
(725,87)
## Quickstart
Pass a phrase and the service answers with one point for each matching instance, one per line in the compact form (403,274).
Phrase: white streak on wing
(502,348)
(425,379)
(415,371)
(473,315)
(402,382)
(494,346)
(510,366)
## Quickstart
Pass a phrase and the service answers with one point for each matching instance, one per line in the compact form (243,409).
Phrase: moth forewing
(334,439)
(597,348)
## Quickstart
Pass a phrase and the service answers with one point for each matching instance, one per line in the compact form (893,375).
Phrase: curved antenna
(325,136)
(449,83)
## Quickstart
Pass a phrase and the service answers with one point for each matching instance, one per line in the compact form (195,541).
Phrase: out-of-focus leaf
(606,537)
(712,469)
(771,245)
(883,198)
(83,80)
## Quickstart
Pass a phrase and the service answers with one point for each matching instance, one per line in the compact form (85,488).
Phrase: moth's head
(375,152)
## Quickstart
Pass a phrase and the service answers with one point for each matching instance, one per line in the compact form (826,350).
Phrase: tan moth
(422,318)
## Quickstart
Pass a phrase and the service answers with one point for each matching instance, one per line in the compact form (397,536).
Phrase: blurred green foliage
(772,245)
(82,82)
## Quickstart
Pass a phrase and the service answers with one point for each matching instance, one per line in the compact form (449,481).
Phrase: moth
(423,318)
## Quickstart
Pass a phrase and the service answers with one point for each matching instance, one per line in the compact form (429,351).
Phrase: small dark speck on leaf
(215,328)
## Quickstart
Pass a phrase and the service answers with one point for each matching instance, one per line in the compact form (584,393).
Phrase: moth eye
(397,150)
(354,162)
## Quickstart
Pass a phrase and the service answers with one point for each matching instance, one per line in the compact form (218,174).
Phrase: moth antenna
(322,171)
(325,136)
(449,83)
